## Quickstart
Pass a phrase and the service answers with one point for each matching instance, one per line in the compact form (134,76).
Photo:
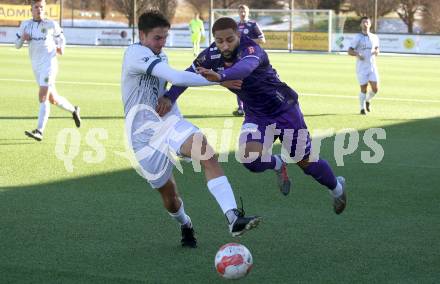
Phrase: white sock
(371,95)
(181,217)
(337,191)
(63,103)
(362,97)
(278,162)
(222,192)
(43,115)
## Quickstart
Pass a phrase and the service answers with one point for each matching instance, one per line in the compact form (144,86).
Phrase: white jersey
(46,36)
(138,85)
(365,44)
(150,137)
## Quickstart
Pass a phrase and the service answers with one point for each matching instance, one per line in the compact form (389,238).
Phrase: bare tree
(407,9)
(201,6)
(167,7)
(335,5)
(366,7)
(103,8)
(266,4)
(226,4)
(431,18)
(308,4)
(126,7)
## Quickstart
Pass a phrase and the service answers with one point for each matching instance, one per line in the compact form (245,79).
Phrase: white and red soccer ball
(233,261)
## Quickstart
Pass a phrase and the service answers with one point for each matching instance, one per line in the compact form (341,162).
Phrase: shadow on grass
(111,227)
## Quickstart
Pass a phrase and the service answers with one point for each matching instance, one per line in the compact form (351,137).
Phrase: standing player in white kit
(365,46)
(145,73)
(45,39)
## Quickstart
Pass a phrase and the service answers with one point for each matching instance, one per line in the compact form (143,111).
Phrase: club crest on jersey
(145,59)
(245,31)
(43,30)
(251,49)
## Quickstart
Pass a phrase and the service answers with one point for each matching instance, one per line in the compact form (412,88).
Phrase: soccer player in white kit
(46,40)
(145,73)
(365,46)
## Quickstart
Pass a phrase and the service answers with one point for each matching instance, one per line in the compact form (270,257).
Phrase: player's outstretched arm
(238,71)
(179,78)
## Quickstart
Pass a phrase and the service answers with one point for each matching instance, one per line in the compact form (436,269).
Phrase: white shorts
(45,75)
(367,76)
(156,141)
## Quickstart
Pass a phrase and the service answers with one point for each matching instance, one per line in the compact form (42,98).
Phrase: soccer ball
(233,261)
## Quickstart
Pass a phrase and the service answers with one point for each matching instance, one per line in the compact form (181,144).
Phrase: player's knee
(254,166)
(211,162)
(204,147)
(52,100)
(303,164)
(43,99)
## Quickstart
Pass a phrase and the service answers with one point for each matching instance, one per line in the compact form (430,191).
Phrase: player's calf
(284,182)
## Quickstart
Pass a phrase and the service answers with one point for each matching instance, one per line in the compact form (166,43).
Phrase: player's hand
(375,52)
(209,74)
(360,57)
(232,84)
(164,106)
(60,50)
(26,37)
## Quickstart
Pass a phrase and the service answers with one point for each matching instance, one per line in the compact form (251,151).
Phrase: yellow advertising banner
(276,40)
(23,12)
(310,41)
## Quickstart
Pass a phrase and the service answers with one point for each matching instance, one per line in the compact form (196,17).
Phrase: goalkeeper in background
(197,32)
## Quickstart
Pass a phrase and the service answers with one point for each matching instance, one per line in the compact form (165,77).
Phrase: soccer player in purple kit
(267,101)
(251,29)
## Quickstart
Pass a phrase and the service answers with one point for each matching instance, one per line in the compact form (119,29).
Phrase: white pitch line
(62,82)
(221,90)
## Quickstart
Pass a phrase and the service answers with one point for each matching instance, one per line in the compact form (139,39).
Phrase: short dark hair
(365,18)
(224,24)
(152,19)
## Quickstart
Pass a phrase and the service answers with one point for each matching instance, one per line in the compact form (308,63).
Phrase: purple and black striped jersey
(262,92)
